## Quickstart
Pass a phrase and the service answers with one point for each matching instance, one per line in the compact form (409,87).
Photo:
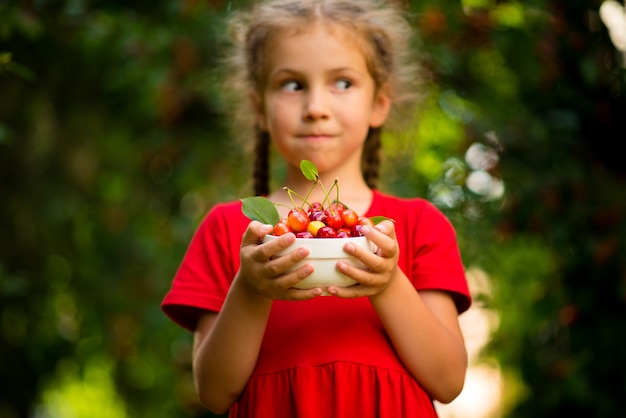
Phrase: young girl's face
(320,99)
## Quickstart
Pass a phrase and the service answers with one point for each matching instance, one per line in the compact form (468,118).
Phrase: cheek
(279,116)
(357,121)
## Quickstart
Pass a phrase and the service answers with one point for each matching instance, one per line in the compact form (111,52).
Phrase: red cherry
(315,207)
(298,220)
(305,234)
(326,232)
(366,221)
(337,208)
(317,215)
(355,231)
(350,218)
(282,228)
(333,219)
(343,234)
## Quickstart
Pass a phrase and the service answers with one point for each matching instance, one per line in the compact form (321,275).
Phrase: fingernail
(365,229)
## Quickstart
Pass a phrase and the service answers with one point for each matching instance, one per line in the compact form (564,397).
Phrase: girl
(322,76)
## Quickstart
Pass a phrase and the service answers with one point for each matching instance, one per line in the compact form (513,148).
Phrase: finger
(278,266)
(372,259)
(350,292)
(254,232)
(364,277)
(303,294)
(388,228)
(279,248)
(383,236)
(285,284)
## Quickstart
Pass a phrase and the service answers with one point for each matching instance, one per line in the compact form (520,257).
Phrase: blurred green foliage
(114,141)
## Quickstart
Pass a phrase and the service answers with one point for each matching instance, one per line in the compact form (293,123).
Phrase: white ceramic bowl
(324,253)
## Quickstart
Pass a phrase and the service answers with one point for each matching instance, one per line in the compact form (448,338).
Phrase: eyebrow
(290,71)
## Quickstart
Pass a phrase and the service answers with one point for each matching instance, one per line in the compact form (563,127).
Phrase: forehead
(322,43)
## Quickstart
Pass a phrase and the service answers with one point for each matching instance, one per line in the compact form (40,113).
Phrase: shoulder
(389,200)
(226,208)
(224,218)
(224,211)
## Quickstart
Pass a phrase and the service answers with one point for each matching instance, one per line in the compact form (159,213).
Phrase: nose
(316,105)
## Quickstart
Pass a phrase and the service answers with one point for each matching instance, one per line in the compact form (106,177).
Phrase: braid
(371,157)
(261,163)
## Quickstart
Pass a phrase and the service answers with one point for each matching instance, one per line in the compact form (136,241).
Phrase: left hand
(381,265)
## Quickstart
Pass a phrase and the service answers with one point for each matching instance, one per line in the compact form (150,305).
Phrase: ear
(259,109)
(380,107)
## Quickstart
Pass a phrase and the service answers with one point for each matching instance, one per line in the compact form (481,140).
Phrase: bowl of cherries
(324,228)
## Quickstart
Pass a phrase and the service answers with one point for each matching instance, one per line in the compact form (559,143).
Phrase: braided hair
(261,172)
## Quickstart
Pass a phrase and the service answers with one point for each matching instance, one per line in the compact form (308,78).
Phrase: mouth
(315,137)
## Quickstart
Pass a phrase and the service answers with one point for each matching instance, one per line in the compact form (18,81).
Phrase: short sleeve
(437,262)
(208,267)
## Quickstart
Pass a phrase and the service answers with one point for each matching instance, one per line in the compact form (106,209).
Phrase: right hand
(266,275)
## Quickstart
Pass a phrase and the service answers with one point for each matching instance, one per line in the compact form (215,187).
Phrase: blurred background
(115,140)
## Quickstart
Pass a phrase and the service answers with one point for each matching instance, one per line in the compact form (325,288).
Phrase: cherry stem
(306,198)
(282,204)
(291,193)
(325,193)
(327,199)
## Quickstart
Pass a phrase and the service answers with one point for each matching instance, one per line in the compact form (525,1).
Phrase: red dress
(325,357)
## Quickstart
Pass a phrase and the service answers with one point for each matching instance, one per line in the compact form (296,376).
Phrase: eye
(343,84)
(291,85)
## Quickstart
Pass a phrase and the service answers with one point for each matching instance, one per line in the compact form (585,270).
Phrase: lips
(316,137)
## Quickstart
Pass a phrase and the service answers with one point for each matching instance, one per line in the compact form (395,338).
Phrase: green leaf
(309,170)
(379,219)
(259,208)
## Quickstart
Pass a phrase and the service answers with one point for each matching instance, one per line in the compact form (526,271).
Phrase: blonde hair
(380,29)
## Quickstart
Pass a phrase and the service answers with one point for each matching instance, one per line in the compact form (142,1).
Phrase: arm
(425,331)
(423,326)
(227,344)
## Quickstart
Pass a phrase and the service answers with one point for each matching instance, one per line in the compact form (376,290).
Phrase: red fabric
(325,357)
